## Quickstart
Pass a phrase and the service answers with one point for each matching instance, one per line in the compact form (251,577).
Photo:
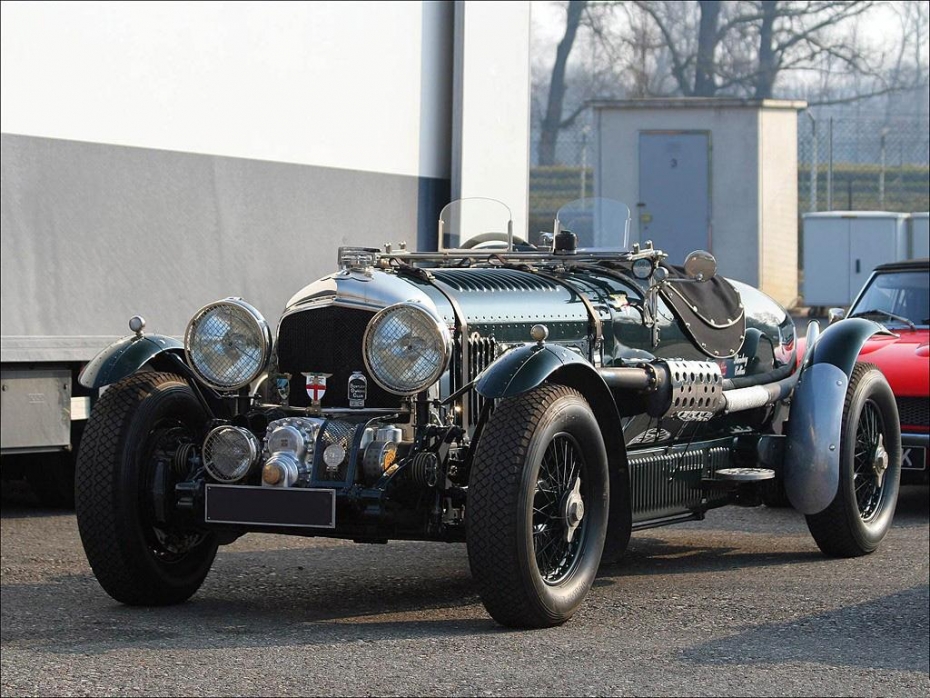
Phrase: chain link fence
(570,178)
(863,163)
(847,162)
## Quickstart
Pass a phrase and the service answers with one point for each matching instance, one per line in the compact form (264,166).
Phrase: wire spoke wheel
(169,544)
(538,503)
(556,541)
(870,460)
(126,460)
(870,468)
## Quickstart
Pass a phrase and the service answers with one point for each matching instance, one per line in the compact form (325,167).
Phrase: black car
(535,400)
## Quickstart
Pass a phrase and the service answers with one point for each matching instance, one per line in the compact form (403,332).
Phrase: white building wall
(491,107)
(778,210)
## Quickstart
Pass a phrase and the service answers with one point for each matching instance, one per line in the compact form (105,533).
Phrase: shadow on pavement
(18,501)
(893,623)
(272,598)
(655,556)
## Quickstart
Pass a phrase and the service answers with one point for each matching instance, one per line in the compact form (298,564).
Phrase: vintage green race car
(536,401)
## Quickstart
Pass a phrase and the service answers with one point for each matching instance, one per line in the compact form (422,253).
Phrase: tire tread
(494,487)
(98,497)
(831,528)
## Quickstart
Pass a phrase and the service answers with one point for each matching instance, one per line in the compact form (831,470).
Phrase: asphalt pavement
(740,604)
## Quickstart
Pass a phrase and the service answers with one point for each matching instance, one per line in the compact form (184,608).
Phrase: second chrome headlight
(228,344)
(407,348)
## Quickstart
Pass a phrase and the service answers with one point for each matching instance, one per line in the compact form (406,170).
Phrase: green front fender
(124,357)
(520,370)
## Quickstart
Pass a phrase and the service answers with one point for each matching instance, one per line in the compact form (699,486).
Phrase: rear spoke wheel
(870,468)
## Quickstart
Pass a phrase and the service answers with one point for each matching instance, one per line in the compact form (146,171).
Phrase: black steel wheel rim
(168,544)
(562,464)
(868,485)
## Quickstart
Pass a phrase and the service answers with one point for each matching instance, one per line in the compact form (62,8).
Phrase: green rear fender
(811,470)
(124,357)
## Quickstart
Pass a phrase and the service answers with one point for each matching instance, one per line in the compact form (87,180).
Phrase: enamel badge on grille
(316,385)
(282,384)
(358,389)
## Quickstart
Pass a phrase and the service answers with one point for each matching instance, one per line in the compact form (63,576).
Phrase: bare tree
(747,48)
(784,35)
(552,121)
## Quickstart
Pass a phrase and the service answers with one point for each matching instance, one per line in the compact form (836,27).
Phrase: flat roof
(697,103)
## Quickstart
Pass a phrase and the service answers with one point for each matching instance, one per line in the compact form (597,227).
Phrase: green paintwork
(841,343)
(504,304)
(524,368)
(124,357)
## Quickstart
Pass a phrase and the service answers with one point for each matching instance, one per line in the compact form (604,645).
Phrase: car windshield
(899,295)
(475,223)
(600,224)
(479,223)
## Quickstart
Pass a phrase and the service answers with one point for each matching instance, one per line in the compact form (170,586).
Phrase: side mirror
(835,314)
(700,266)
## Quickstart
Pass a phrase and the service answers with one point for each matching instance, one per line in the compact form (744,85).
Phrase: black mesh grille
(340,433)
(914,411)
(481,351)
(327,340)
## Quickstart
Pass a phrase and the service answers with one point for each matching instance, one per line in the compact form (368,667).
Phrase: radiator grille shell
(327,340)
(914,411)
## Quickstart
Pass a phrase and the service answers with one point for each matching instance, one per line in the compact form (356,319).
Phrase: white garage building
(714,174)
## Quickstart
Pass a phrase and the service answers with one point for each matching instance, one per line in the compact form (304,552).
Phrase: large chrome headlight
(228,344)
(407,348)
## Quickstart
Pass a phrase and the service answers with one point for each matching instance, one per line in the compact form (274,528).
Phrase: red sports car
(897,295)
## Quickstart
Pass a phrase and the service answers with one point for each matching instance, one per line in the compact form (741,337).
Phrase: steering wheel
(496,241)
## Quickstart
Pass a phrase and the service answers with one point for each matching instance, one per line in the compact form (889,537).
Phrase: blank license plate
(271,506)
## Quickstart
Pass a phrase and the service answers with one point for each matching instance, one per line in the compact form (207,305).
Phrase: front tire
(138,561)
(538,501)
(870,469)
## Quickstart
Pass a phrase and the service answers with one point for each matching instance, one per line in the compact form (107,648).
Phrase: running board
(668,521)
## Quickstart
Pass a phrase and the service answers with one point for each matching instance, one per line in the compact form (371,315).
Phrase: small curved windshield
(475,223)
(901,296)
(600,224)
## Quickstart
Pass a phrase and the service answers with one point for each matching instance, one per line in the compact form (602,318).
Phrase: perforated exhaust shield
(696,390)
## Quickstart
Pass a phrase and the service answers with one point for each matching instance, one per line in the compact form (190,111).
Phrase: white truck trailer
(156,156)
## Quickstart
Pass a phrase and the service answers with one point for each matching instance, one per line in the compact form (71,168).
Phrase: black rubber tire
(502,486)
(841,530)
(51,477)
(111,495)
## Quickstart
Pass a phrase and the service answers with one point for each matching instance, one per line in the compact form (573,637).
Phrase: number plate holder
(914,458)
(270,506)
